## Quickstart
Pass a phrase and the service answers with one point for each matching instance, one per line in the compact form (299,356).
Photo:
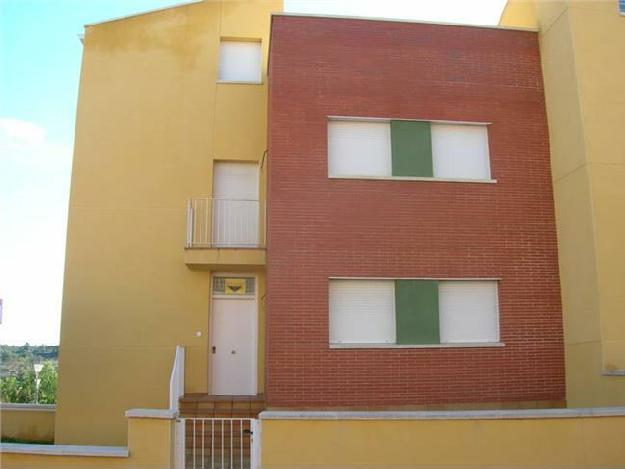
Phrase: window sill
(414,178)
(234,82)
(613,372)
(393,346)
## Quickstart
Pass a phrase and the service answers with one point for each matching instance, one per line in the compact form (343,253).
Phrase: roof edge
(147,12)
(400,20)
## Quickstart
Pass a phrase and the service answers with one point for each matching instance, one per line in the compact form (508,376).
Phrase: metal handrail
(176,380)
(225,222)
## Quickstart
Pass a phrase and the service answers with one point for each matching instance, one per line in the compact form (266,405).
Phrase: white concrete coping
(166,414)
(28,407)
(66,450)
(444,414)
(404,20)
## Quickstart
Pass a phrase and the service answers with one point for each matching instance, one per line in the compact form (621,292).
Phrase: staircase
(218,430)
(207,406)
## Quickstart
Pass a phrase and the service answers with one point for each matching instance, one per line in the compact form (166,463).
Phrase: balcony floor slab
(225,258)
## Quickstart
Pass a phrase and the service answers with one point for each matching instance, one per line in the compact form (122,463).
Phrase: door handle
(214,349)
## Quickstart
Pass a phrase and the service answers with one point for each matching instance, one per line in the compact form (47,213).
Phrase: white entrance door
(236,207)
(233,346)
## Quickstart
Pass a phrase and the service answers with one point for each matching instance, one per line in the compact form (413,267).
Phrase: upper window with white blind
(408,149)
(621,7)
(413,312)
(362,312)
(240,61)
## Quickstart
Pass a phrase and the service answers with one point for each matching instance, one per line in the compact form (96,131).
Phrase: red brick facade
(320,227)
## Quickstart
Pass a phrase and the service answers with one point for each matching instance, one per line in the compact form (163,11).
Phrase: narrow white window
(468,311)
(362,311)
(235,205)
(240,61)
(460,151)
(359,148)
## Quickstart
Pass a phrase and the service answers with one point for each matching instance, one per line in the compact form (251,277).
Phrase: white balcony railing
(225,223)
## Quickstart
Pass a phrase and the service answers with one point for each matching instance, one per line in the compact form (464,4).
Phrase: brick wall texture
(320,227)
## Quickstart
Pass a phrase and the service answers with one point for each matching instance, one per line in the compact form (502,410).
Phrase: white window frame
(490,180)
(258,81)
(497,344)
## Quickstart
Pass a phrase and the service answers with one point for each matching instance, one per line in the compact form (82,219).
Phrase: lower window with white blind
(413,312)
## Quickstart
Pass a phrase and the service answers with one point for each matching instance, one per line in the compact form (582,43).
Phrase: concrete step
(209,406)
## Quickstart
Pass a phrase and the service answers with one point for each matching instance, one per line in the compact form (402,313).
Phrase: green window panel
(416,312)
(411,147)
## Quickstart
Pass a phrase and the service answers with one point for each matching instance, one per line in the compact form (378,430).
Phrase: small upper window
(240,61)
(405,148)
(621,6)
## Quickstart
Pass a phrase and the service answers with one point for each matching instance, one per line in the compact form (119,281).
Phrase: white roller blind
(235,181)
(362,311)
(359,148)
(460,151)
(235,206)
(468,311)
(240,61)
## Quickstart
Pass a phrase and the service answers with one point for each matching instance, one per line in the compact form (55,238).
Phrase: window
(240,61)
(235,210)
(460,151)
(621,6)
(359,148)
(404,148)
(413,312)
(233,286)
(362,312)
(468,311)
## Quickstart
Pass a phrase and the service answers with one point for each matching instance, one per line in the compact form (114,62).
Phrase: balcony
(226,234)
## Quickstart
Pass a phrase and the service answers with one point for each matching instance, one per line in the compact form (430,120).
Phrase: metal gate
(217,443)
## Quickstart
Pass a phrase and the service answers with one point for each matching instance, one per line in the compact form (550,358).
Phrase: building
(412,256)
(582,49)
(167,217)
(165,115)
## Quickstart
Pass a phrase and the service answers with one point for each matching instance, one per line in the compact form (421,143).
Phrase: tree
(47,384)
(20,387)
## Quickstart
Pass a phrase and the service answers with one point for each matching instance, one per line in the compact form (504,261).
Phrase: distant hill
(14,357)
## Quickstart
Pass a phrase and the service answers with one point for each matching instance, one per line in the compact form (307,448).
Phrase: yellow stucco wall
(546,443)
(150,445)
(582,47)
(151,120)
(519,13)
(27,423)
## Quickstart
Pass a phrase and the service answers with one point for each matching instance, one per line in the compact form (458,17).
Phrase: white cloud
(21,132)
(27,142)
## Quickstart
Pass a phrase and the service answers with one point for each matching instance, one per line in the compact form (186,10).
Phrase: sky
(40,56)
